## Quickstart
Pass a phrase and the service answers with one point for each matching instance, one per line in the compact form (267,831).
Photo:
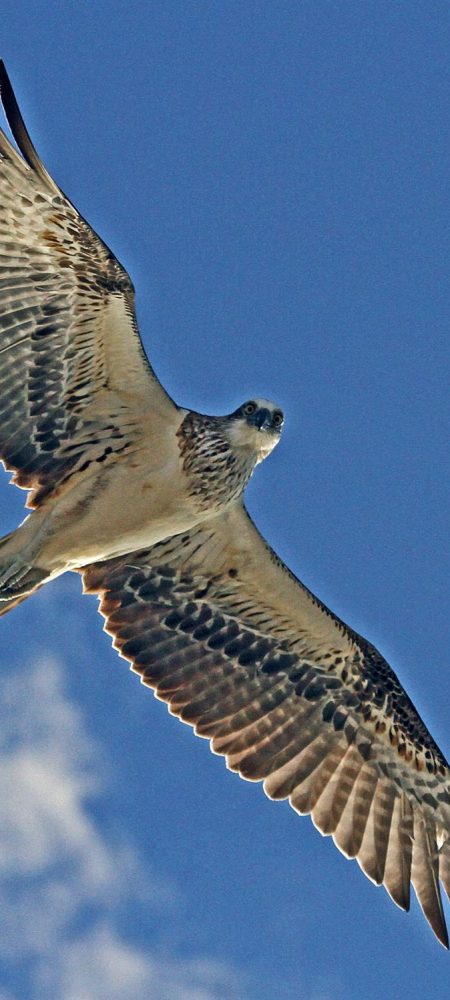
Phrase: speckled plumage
(216,473)
(58,284)
(233,642)
(145,499)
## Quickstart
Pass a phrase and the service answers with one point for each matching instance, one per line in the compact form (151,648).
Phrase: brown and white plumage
(74,362)
(217,625)
(194,598)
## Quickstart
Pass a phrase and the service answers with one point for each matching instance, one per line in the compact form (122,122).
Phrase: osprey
(145,500)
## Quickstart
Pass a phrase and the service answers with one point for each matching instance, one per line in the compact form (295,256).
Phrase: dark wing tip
(443,938)
(13,115)
(18,127)
(437,923)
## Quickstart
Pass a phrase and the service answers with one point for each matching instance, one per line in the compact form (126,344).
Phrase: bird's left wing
(73,372)
(242,651)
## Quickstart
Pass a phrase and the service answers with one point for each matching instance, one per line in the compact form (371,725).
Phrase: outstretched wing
(237,646)
(72,367)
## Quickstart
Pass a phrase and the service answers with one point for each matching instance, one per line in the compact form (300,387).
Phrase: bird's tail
(19,576)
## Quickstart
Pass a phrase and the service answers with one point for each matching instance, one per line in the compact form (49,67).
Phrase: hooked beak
(263,420)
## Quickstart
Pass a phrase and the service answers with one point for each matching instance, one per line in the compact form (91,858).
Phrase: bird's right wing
(74,377)
(242,651)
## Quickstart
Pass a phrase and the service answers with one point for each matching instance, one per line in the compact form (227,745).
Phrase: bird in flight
(144,498)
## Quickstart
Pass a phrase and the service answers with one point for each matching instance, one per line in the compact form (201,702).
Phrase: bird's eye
(277,418)
(249,408)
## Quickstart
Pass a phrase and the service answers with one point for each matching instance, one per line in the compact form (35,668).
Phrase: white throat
(243,436)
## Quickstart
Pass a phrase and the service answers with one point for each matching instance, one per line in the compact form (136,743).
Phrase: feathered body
(144,498)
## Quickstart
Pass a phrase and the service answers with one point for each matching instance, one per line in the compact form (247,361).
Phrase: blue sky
(276,179)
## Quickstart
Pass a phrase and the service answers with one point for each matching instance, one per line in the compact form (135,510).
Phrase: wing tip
(10,105)
(4,78)
(18,128)
(443,938)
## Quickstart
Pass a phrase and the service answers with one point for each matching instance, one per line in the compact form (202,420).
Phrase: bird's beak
(263,420)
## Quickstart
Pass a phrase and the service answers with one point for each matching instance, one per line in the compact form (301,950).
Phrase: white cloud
(62,880)
(101,966)
(46,781)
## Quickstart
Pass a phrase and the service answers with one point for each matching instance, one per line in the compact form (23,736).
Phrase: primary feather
(194,598)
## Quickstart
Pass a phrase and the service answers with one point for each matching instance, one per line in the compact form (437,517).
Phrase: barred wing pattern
(73,372)
(216,624)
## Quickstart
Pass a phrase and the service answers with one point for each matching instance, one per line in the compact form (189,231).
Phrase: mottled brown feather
(397,867)
(73,372)
(288,694)
(425,872)
(349,833)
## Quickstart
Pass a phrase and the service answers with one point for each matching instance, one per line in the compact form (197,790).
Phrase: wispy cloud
(101,965)
(63,882)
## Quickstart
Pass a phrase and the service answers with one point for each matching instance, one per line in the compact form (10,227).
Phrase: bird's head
(255,427)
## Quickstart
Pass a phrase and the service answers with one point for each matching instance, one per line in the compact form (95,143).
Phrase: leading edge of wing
(24,143)
(19,130)
(99,305)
